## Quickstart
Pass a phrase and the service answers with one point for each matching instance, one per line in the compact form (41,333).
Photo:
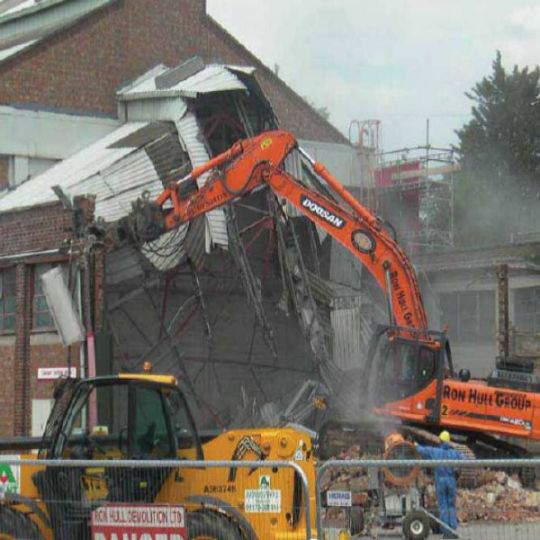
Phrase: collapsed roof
(175,119)
(171,135)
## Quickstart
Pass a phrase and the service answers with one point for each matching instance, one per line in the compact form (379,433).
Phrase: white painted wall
(35,140)
(341,160)
(47,135)
(478,357)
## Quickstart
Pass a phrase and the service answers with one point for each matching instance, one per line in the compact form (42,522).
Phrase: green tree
(497,192)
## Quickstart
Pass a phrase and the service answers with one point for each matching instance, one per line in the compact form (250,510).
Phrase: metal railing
(165,499)
(92,499)
(496,499)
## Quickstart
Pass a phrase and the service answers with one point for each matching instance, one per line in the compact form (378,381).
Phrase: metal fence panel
(147,500)
(495,499)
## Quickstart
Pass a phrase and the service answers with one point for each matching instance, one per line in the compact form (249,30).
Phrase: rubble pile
(498,497)
(494,496)
(483,494)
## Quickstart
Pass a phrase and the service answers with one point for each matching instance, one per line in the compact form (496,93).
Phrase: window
(96,425)
(4,171)
(181,423)
(470,315)
(8,300)
(119,418)
(151,433)
(527,309)
(42,318)
(404,368)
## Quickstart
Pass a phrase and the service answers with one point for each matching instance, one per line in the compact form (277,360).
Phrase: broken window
(8,300)
(470,315)
(527,309)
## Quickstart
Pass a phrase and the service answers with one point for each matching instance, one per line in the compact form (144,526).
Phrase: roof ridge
(259,63)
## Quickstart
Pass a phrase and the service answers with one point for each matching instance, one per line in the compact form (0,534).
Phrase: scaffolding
(366,136)
(414,190)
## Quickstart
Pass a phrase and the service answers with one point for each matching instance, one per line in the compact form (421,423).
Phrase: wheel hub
(417,527)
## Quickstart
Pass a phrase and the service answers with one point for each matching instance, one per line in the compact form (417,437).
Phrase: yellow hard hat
(444,436)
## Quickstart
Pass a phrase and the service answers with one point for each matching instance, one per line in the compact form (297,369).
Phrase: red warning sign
(139,522)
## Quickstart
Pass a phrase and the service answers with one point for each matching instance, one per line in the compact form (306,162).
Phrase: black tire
(416,525)
(435,525)
(16,525)
(209,525)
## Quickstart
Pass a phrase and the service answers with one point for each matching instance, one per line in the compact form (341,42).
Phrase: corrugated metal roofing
(332,294)
(84,172)
(10,7)
(116,170)
(188,129)
(10,51)
(348,347)
(30,21)
(188,80)
(344,320)
(213,78)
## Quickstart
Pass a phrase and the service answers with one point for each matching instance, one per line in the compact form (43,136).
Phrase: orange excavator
(409,374)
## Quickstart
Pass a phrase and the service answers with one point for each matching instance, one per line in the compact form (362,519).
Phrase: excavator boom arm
(257,162)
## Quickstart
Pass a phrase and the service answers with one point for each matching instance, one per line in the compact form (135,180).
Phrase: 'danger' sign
(139,522)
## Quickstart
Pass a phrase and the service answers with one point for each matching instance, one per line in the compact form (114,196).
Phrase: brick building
(61,65)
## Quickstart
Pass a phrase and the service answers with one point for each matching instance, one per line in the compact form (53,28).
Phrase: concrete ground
(476,531)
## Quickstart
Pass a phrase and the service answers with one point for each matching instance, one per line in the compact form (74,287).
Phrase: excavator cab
(405,371)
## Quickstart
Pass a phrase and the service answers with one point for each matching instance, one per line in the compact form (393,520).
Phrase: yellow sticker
(266,143)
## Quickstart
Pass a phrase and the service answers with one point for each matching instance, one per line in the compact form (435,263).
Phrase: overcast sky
(400,61)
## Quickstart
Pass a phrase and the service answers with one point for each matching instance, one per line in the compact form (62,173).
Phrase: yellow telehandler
(145,417)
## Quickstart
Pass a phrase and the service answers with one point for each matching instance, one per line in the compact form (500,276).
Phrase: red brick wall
(7,396)
(49,355)
(38,228)
(80,68)
(33,229)
(21,372)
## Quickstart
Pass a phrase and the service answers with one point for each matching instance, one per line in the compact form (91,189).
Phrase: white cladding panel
(341,160)
(347,343)
(65,316)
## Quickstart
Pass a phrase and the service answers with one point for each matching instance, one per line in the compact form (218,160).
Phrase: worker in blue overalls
(445,481)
